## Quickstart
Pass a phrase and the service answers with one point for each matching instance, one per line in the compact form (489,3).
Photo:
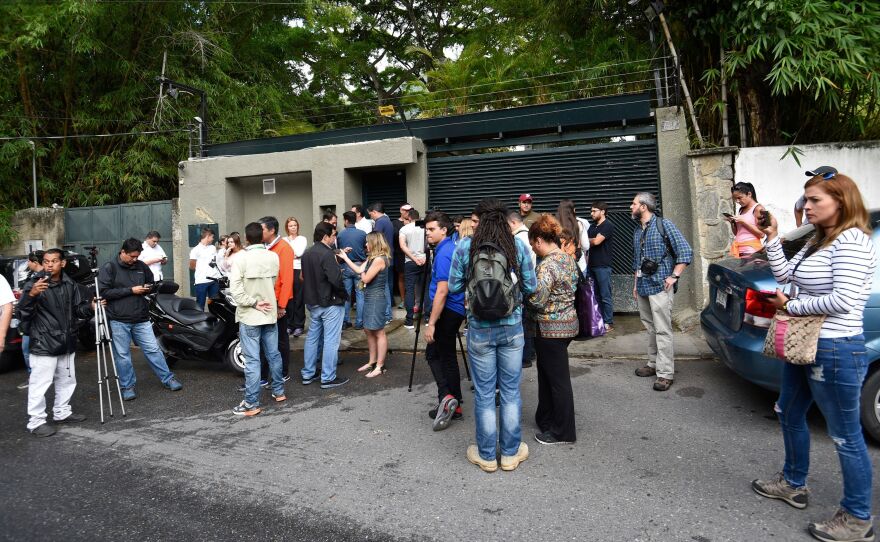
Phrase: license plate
(721,298)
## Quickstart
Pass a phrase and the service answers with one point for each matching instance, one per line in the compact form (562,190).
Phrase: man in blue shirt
(495,346)
(384,226)
(657,266)
(354,242)
(447,314)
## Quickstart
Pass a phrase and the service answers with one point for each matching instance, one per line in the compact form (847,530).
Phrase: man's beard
(637,216)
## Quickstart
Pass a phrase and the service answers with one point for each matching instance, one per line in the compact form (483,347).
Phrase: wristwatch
(785,305)
(676,277)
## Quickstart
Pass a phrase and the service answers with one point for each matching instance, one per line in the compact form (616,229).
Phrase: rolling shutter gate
(610,172)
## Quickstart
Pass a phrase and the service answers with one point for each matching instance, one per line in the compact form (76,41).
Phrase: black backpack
(492,291)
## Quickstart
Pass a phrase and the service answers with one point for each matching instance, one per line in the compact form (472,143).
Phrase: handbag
(590,322)
(794,339)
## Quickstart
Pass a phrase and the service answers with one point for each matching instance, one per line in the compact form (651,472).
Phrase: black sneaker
(445,412)
(497,398)
(334,383)
(548,438)
(73,418)
(44,430)
(456,415)
(527,363)
(309,380)
(346,325)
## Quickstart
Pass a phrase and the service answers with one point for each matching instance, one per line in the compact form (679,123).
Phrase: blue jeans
(142,334)
(834,382)
(602,279)
(206,290)
(253,339)
(350,280)
(389,297)
(412,278)
(327,325)
(496,356)
(26,351)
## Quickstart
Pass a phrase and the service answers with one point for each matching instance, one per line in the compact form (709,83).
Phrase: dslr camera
(649,267)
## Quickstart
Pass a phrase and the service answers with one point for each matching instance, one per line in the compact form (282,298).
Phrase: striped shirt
(835,281)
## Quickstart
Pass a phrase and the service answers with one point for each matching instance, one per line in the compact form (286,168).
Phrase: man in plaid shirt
(657,266)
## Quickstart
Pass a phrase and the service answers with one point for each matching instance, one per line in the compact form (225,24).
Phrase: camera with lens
(649,267)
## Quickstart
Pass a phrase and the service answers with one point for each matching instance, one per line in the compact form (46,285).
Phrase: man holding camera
(47,308)
(124,281)
(660,256)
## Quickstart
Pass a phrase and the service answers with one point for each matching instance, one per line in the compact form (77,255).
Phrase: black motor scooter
(185,331)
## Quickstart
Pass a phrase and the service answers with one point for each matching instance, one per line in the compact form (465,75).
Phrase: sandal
(378,370)
(367,367)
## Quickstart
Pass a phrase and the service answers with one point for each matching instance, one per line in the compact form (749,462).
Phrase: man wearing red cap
(525,210)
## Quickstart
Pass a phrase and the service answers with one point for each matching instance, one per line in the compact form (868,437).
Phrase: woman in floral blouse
(552,313)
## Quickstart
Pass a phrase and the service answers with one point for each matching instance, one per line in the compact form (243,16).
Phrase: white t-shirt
(799,207)
(299,247)
(364,224)
(584,227)
(415,239)
(204,255)
(150,253)
(523,234)
(5,292)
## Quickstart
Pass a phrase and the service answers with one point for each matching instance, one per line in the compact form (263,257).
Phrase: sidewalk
(628,341)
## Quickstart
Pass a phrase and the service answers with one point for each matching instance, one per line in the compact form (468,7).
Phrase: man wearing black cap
(827,172)
(525,210)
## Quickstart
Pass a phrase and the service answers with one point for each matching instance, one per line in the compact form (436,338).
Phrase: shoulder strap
(662,229)
(809,252)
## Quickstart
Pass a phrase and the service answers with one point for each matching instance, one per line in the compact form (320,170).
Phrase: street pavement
(362,463)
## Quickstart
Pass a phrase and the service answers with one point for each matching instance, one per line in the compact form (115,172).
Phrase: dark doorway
(387,186)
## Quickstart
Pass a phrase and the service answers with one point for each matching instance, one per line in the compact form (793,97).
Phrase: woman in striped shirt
(833,275)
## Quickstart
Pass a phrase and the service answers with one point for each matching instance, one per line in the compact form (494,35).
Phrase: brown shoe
(646,371)
(473,455)
(662,384)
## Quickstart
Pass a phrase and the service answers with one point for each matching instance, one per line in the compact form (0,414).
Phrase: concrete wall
(711,176)
(677,195)
(42,224)
(228,190)
(779,183)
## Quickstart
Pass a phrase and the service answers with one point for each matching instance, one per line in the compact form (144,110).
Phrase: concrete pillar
(676,195)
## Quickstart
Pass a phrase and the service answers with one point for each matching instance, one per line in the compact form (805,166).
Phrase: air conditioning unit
(268,186)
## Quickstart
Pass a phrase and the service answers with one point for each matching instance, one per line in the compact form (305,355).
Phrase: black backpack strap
(662,229)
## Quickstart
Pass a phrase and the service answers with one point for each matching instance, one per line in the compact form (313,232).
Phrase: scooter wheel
(234,357)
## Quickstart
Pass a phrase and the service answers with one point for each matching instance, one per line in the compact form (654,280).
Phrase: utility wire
(82,136)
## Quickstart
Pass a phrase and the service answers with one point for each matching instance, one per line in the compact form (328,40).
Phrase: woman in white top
(833,275)
(233,247)
(566,214)
(298,243)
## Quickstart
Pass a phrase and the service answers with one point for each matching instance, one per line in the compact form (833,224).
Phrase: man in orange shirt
(283,292)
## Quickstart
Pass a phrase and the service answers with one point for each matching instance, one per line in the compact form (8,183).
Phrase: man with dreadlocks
(497,271)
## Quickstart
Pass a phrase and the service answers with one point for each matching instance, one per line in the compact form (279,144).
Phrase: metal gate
(610,172)
(107,226)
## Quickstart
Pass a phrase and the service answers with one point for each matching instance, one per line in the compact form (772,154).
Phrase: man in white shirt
(362,222)
(412,244)
(200,258)
(153,255)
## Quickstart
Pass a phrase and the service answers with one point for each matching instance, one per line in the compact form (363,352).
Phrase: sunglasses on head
(830,175)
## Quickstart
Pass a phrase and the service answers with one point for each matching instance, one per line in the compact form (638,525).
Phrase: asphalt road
(361,463)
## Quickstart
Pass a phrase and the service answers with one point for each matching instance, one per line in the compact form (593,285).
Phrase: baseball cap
(825,171)
(525,197)
(406,207)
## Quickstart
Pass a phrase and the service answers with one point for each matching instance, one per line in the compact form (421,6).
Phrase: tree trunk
(763,109)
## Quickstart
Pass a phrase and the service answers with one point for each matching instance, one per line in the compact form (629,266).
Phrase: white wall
(779,183)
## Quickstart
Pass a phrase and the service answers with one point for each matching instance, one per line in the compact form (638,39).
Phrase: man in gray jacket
(252,285)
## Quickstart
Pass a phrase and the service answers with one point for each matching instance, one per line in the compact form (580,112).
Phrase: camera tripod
(418,318)
(102,346)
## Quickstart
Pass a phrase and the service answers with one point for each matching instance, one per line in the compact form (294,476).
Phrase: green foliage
(811,64)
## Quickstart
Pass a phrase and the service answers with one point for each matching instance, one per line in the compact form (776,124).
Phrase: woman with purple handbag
(553,322)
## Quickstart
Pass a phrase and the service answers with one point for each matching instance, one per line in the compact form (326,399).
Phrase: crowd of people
(511,276)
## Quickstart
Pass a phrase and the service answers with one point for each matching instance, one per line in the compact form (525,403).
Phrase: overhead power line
(81,136)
